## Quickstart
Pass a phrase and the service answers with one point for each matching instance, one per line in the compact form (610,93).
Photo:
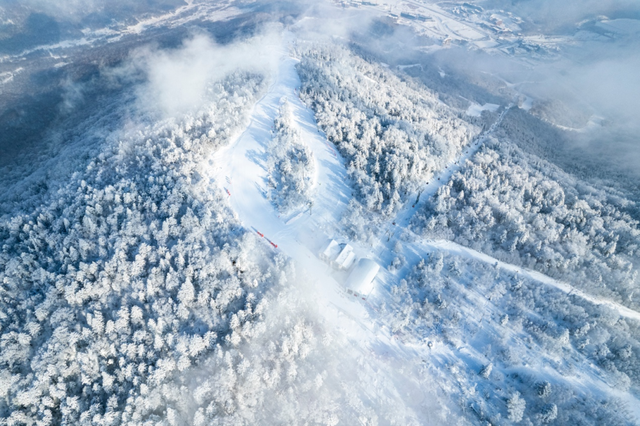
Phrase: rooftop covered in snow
(361,278)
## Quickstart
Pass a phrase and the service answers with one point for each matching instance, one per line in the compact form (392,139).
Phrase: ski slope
(240,170)
(243,173)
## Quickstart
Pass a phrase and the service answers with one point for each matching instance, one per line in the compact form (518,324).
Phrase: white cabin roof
(331,251)
(345,258)
(361,278)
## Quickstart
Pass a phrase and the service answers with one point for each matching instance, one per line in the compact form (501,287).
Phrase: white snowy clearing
(301,235)
(475,110)
(242,176)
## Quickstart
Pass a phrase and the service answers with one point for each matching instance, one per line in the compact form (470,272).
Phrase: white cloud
(178,80)
(75,10)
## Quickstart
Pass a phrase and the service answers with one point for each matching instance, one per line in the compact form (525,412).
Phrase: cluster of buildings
(360,282)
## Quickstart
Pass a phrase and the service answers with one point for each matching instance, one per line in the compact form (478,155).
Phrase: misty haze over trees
(174,176)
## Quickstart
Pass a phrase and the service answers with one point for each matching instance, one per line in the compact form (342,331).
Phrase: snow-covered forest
(127,275)
(523,210)
(326,213)
(393,132)
(513,339)
(290,164)
(134,295)
(286,367)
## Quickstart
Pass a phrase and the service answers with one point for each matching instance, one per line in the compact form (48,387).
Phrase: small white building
(330,252)
(345,258)
(360,281)
(340,256)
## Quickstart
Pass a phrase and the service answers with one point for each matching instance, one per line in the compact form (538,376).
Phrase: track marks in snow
(462,251)
(402,219)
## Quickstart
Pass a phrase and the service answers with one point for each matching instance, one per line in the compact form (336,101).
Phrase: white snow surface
(361,278)
(475,110)
(243,164)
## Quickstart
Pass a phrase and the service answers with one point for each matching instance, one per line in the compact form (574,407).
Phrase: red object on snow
(260,233)
(271,242)
(228,192)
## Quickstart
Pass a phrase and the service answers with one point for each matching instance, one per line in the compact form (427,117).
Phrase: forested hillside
(318,213)
(393,133)
(524,210)
(128,276)
(518,344)
(290,163)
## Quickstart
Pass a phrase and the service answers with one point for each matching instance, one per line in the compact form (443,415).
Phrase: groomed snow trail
(457,249)
(240,169)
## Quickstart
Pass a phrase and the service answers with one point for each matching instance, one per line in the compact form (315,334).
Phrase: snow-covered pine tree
(290,164)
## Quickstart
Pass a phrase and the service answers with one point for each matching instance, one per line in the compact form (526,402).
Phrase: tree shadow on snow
(259,158)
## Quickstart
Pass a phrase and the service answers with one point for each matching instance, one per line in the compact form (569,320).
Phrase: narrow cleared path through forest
(399,224)
(417,200)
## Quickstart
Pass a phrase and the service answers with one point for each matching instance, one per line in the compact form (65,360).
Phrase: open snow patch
(475,110)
